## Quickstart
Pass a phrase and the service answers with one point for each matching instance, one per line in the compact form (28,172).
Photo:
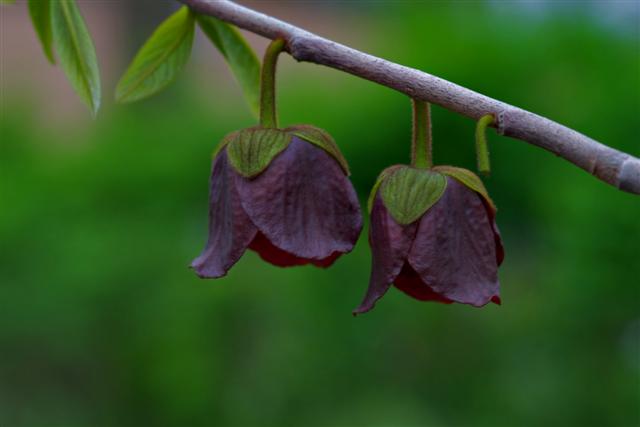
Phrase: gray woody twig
(610,165)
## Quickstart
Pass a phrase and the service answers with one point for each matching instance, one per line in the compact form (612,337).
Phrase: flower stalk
(482,148)
(268,113)
(421,151)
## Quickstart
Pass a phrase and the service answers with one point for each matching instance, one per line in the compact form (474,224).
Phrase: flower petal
(230,229)
(409,282)
(454,251)
(321,138)
(303,203)
(496,232)
(390,244)
(276,256)
(468,178)
(474,182)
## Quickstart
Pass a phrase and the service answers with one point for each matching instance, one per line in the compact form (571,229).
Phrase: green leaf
(240,57)
(251,150)
(40,11)
(409,192)
(160,59)
(469,179)
(322,139)
(76,52)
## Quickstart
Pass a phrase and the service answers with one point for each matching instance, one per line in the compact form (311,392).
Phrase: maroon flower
(282,193)
(434,237)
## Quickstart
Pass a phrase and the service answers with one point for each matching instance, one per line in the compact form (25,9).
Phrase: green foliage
(76,52)
(156,65)
(239,56)
(251,150)
(160,59)
(408,192)
(40,11)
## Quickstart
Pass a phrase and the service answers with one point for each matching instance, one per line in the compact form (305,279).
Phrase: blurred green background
(103,324)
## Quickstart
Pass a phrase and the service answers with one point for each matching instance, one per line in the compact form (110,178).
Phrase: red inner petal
(276,256)
(409,282)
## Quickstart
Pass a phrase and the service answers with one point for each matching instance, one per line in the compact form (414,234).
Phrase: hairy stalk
(268,112)
(421,156)
(482,147)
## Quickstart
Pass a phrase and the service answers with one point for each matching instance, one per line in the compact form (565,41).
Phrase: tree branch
(608,164)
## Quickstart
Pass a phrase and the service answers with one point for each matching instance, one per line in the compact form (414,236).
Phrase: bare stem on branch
(607,164)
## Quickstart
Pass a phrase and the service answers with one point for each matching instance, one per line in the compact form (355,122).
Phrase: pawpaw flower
(284,193)
(433,236)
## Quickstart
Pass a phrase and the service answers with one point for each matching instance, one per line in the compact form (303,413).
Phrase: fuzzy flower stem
(268,113)
(482,149)
(421,137)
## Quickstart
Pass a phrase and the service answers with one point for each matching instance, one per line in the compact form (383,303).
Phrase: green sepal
(251,150)
(408,192)
(225,141)
(374,190)
(468,178)
(322,139)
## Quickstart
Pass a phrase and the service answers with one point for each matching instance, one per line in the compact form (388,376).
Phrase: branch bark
(607,164)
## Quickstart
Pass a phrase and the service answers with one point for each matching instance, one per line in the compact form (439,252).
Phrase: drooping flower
(284,193)
(433,236)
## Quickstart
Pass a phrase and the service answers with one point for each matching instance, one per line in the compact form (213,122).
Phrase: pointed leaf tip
(240,57)
(160,59)
(40,12)
(76,51)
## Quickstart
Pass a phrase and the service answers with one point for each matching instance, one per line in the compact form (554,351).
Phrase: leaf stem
(268,113)
(482,148)
(421,155)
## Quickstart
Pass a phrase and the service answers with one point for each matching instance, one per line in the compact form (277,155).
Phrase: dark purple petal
(496,233)
(390,244)
(303,203)
(474,182)
(454,251)
(230,229)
